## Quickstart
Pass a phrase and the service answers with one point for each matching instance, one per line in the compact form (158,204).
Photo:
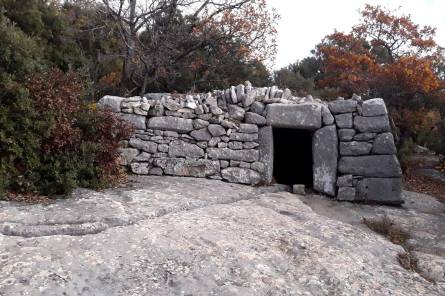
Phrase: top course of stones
(227,135)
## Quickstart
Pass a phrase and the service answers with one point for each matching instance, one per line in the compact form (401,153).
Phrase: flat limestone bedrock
(158,233)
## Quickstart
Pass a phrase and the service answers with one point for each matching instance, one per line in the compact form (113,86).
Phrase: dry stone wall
(228,135)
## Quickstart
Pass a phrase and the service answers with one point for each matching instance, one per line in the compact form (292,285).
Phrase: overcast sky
(304,23)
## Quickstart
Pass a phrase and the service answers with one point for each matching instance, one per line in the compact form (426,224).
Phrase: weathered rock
(370,166)
(326,115)
(112,102)
(266,152)
(127,155)
(344,181)
(169,235)
(355,148)
(346,134)
(376,124)
(258,166)
(257,107)
(171,134)
(241,175)
(249,97)
(247,128)
(346,193)
(343,106)
(167,123)
(287,94)
(163,148)
(228,124)
(224,163)
(172,104)
(250,145)
(137,121)
(254,118)
(228,154)
(384,144)
(201,135)
(344,120)
(374,107)
(364,136)
(236,112)
(235,145)
(183,149)
(216,130)
(157,110)
(214,141)
(188,167)
(381,190)
(216,110)
(140,168)
(233,96)
(143,157)
(244,165)
(325,155)
(156,172)
(301,116)
(243,137)
(146,146)
(299,189)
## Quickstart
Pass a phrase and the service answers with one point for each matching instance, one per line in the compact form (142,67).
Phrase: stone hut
(253,135)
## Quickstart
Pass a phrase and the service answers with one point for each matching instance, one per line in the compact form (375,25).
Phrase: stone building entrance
(292,162)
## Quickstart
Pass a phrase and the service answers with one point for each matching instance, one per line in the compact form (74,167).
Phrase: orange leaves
(411,74)
(386,54)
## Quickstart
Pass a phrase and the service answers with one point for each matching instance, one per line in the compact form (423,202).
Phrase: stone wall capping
(228,135)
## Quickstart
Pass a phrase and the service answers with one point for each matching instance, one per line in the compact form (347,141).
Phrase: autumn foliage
(387,55)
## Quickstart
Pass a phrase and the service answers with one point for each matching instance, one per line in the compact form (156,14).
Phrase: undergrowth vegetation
(52,142)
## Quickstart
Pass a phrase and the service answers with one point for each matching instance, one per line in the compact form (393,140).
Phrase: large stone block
(146,146)
(248,128)
(241,175)
(343,106)
(300,116)
(140,168)
(266,150)
(355,148)
(328,119)
(248,155)
(216,130)
(370,166)
(137,120)
(376,124)
(236,112)
(346,193)
(126,155)
(112,102)
(374,107)
(243,137)
(201,135)
(325,156)
(344,120)
(346,134)
(168,123)
(381,190)
(384,144)
(183,149)
(188,167)
(254,118)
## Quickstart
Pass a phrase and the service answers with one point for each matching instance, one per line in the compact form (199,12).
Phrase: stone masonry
(228,135)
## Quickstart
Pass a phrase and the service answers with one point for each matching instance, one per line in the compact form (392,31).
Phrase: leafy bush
(50,142)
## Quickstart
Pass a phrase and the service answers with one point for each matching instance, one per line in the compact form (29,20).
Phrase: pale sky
(304,23)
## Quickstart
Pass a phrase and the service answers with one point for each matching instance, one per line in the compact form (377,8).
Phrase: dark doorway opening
(292,156)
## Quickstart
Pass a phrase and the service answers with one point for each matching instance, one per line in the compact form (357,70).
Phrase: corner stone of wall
(227,135)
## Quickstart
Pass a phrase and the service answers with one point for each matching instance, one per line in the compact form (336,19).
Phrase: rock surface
(180,236)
